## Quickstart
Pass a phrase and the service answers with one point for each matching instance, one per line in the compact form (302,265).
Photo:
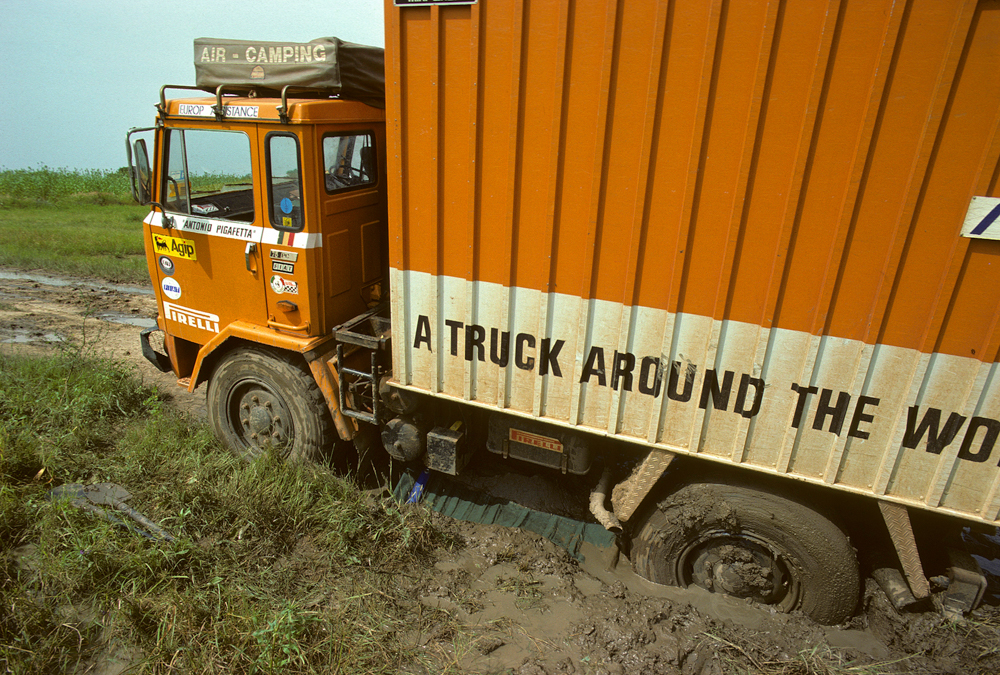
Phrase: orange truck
(732,262)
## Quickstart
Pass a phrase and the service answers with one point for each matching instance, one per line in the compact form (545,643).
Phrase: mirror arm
(168,221)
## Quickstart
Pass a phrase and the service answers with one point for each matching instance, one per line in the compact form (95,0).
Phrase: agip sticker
(174,247)
(280,285)
(171,288)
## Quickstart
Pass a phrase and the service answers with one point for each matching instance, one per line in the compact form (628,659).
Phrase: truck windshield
(209,173)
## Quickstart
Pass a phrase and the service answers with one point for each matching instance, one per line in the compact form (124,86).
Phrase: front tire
(749,543)
(258,400)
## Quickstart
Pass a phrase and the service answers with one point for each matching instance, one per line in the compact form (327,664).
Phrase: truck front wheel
(749,543)
(261,399)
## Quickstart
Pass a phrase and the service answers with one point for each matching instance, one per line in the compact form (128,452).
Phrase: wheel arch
(242,334)
(683,470)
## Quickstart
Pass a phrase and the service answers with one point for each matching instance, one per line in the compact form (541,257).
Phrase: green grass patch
(275,567)
(83,240)
(48,187)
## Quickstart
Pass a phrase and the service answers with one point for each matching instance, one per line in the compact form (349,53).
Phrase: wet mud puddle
(39,313)
(42,309)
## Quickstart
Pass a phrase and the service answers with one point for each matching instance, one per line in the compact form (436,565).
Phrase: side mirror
(140,173)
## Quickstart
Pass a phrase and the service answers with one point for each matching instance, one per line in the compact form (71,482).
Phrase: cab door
(207,241)
(353,210)
(324,253)
(291,247)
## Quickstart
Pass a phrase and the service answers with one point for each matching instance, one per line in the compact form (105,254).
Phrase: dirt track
(526,606)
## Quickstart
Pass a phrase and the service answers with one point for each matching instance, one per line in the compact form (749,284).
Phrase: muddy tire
(749,543)
(260,399)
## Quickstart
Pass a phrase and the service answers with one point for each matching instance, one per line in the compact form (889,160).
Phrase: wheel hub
(736,565)
(262,417)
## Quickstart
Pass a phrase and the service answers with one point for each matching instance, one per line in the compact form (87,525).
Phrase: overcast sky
(80,73)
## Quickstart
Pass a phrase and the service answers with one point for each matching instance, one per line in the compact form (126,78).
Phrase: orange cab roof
(300,111)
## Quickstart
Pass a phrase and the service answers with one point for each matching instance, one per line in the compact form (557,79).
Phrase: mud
(510,601)
(39,313)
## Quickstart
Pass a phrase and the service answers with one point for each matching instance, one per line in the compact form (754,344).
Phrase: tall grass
(45,186)
(275,568)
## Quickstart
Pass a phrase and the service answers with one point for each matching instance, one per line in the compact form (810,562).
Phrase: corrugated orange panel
(418,38)
(589,46)
(738,75)
(803,38)
(854,82)
(926,288)
(691,33)
(496,131)
(919,82)
(539,118)
(455,142)
(394,139)
(800,165)
(970,324)
(631,112)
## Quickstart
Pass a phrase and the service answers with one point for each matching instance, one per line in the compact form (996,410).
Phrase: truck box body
(729,230)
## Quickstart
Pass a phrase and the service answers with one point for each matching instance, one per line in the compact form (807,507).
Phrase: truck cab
(281,226)
(267,231)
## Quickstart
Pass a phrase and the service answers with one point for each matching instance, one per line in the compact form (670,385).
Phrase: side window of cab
(284,184)
(349,161)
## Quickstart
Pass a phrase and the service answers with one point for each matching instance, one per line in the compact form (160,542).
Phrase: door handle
(250,250)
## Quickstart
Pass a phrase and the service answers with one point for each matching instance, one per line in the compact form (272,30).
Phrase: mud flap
(161,361)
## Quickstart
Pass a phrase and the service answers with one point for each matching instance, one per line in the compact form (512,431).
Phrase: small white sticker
(171,288)
(982,220)
(280,285)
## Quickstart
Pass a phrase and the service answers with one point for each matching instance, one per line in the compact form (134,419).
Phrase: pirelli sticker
(543,442)
(175,247)
(191,317)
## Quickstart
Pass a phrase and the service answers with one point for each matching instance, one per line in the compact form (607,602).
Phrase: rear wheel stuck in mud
(259,400)
(749,543)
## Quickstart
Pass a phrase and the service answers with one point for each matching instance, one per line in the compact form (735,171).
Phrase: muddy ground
(511,601)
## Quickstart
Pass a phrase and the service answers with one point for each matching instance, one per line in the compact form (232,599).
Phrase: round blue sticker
(286,205)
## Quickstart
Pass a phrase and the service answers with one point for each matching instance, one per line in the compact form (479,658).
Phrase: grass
(45,186)
(78,223)
(817,660)
(87,241)
(275,567)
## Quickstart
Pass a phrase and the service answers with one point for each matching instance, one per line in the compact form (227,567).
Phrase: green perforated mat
(460,502)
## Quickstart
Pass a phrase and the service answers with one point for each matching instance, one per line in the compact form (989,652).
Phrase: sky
(80,74)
